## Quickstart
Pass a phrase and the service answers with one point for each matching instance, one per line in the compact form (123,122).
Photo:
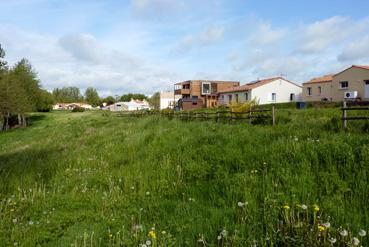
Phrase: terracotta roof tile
(361,66)
(326,78)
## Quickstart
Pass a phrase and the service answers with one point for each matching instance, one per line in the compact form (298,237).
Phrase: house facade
(200,93)
(349,84)
(318,89)
(168,100)
(266,91)
(133,105)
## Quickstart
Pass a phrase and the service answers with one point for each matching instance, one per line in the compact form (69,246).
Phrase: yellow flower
(152,234)
(321,228)
(12,210)
(110,235)
(286,207)
(316,208)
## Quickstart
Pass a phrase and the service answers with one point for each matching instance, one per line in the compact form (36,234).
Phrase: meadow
(95,179)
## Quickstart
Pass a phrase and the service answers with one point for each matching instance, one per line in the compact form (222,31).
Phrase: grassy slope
(77,178)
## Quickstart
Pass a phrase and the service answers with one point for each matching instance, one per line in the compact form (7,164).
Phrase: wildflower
(343,233)
(132,187)
(147,193)
(148,242)
(12,210)
(110,235)
(304,207)
(355,241)
(163,232)
(321,228)
(30,223)
(152,234)
(327,225)
(332,240)
(143,245)
(241,204)
(15,221)
(362,233)
(219,237)
(286,207)
(316,208)
(224,233)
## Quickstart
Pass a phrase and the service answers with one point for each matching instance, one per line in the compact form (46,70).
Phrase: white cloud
(157,8)
(212,34)
(266,35)
(357,50)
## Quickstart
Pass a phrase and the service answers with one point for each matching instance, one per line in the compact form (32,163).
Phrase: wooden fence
(353,106)
(218,116)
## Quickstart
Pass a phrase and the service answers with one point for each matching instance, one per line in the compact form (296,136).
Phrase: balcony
(181,91)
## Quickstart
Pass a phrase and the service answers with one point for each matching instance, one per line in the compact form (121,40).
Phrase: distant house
(71,106)
(133,105)
(318,89)
(349,84)
(168,100)
(200,93)
(266,91)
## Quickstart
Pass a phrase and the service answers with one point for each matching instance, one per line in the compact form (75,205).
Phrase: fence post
(344,115)
(273,115)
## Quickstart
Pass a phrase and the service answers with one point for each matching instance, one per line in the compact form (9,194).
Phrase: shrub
(78,109)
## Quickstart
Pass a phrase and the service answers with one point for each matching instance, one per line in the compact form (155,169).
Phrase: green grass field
(94,179)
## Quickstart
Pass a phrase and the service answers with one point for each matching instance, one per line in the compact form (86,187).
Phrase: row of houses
(349,84)
(132,105)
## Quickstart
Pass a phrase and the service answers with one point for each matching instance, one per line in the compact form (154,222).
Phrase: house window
(230,98)
(292,97)
(274,96)
(194,103)
(206,88)
(236,98)
(344,84)
(319,90)
(309,92)
(246,96)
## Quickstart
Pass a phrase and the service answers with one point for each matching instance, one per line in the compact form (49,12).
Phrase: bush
(78,109)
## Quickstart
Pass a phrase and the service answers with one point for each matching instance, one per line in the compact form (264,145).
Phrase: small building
(71,106)
(168,100)
(318,89)
(133,105)
(266,91)
(205,90)
(349,84)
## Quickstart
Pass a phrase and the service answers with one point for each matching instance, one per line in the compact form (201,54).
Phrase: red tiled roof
(252,85)
(326,78)
(361,66)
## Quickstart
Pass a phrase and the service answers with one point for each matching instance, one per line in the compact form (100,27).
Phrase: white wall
(281,88)
(166,101)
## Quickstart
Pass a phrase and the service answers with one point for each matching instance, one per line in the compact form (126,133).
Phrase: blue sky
(147,45)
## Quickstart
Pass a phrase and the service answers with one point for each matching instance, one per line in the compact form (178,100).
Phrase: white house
(71,106)
(167,99)
(133,105)
(266,91)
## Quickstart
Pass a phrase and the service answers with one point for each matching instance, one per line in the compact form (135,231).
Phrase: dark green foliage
(109,100)
(92,97)
(67,95)
(128,97)
(154,100)
(78,109)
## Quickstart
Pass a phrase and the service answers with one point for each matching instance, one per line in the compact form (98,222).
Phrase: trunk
(24,120)
(19,119)
(6,122)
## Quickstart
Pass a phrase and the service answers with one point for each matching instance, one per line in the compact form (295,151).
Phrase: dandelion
(224,233)
(327,225)
(219,237)
(321,228)
(241,204)
(30,223)
(286,206)
(15,221)
(362,233)
(343,233)
(148,242)
(163,232)
(132,187)
(12,210)
(143,245)
(304,207)
(110,235)
(152,234)
(316,208)
(332,240)
(147,193)
(355,241)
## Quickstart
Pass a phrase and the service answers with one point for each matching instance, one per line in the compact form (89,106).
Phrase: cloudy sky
(147,45)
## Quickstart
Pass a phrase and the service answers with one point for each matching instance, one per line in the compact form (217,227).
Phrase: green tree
(109,100)
(128,97)
(45,102)
(92,97)
(67,95)
(154,100)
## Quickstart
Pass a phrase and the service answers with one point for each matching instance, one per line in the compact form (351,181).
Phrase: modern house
(200,93)
(168,100)
(349,84)
(266,91)
(318,89)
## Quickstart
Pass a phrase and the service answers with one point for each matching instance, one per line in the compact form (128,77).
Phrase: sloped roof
(361,66)
(322,79)
(254,84)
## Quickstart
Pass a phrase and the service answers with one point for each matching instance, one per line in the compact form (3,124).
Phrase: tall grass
(92,179)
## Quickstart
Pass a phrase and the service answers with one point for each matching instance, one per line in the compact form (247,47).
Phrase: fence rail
(217,116)
(345,108)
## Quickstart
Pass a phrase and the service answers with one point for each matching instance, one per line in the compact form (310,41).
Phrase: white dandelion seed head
(132,187)
(148,242)
(15,221)
(30,223)
(332,240)
(240,204)
(224,232)
(362,233)
(219,237)
(343,233)
(304,207)
(355,241)
(147,193)
(143,245)
(327,224)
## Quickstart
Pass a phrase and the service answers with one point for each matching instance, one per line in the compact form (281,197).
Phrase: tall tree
(154,100)
(128,97)
(92,97)
(67,94)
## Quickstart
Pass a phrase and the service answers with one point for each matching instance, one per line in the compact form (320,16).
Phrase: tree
(128,97)
(154,100)
(45,102)
(67,95)
(92,97)
(109,100)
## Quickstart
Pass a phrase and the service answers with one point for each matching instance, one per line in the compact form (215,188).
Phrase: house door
(367,89)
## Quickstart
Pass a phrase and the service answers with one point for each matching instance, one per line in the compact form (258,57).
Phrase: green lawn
(94,179)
